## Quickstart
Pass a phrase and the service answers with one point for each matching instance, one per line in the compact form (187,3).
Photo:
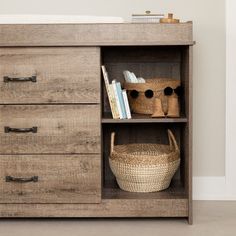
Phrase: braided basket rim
(164,156)
(143,164)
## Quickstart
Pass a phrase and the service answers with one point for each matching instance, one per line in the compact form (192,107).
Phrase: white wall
(209,60)
(223,188)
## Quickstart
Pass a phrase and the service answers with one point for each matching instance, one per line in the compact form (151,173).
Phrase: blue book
(121,100)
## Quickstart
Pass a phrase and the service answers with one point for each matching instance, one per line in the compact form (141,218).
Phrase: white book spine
(134,77)
(127,108)
(105,76)
(118,105)
(126,76)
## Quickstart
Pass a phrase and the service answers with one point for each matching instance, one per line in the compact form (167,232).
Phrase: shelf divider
(138,118)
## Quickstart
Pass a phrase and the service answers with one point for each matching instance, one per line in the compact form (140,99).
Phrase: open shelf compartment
(149,62)
(145,133)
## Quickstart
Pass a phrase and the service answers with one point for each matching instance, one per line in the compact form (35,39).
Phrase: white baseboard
(211,188)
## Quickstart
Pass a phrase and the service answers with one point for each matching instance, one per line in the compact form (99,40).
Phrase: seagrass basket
(144,167)
(143,104)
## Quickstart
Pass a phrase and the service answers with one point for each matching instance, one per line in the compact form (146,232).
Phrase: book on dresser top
(110,95)
(148,17)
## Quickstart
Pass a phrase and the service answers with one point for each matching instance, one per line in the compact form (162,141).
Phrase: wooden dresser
(55,122)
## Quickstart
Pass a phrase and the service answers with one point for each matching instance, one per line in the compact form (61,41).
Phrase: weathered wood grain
(96,34)
(107,208)
(64,75)
(70,74)
(188,129)
(61,179)
(61,129)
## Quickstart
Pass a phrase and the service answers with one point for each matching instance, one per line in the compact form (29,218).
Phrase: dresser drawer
(42,129)
(50,179)
(49,75)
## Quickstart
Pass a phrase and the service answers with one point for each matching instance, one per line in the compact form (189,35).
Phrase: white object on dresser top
(58,19)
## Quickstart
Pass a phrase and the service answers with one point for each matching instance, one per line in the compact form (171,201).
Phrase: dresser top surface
(96,34)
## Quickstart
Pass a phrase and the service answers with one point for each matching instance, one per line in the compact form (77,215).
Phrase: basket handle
(172,141)
(112,142)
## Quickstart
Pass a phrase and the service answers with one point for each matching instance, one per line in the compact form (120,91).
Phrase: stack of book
(117,97)
(147,17)
(130,77)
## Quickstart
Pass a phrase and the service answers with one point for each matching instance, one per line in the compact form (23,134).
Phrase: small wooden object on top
(169,19)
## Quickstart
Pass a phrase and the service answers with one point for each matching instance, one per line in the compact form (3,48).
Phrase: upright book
(110,94)
(118,103)
(126,101)
(121,100)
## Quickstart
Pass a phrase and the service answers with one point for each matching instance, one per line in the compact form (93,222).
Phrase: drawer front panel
(50,179)
(49,129)
(49,75)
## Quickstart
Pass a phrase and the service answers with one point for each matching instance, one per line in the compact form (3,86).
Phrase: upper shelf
(99,34)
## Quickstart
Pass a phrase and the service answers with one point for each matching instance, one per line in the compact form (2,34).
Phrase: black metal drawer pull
(20,130)
(7,79)
(21,180)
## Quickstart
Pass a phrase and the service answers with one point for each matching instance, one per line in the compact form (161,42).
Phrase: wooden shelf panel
(137,118)
(90,34)
(107,208)
(175,191)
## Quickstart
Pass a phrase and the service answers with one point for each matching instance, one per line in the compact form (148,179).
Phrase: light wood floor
(210,218)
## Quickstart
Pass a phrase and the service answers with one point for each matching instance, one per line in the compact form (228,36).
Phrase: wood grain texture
(96,34)
(71,74)
(186,134)
(107,208)
(64,75)
(61,179)
(61,129)
(189,130)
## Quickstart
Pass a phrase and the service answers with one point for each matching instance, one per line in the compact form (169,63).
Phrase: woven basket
(144,167)
(143,105)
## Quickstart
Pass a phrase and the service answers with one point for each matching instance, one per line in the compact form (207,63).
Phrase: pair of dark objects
(168,91)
